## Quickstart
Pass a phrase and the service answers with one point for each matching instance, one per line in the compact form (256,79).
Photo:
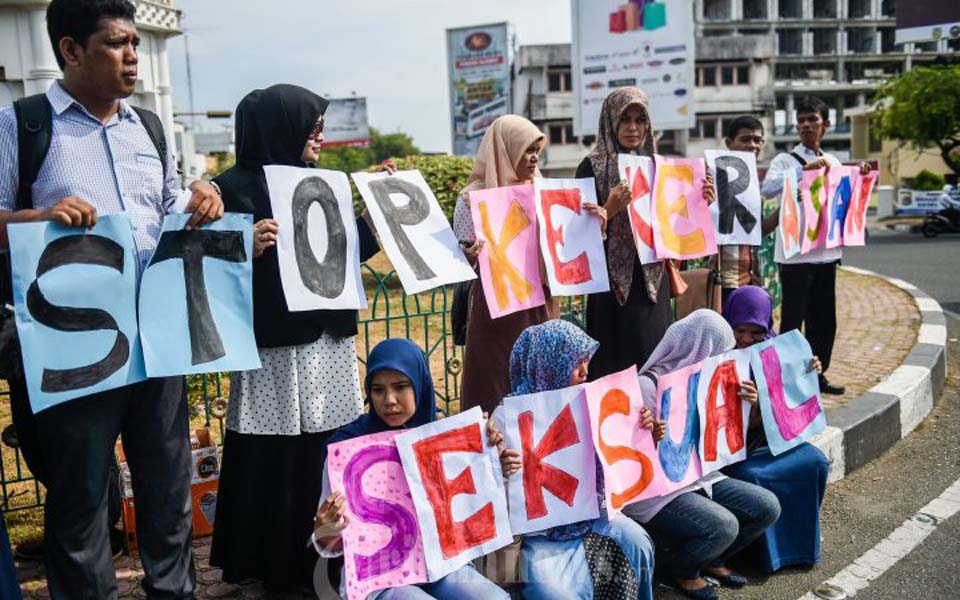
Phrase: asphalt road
(865,507)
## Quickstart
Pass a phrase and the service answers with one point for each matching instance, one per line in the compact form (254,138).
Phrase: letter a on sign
(449,463)
(382,546)
(505,220)
(557,484)
(74,293)
(317,242)
(626,450)
(789,391)
(789,229)
(724,417)
(413,230)
(570,239)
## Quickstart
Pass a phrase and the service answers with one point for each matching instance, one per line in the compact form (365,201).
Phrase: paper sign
(457,488)
(789,391)
(677,392)
(505,220)
(813,189)
(196,299)
(682,227)
(413,230)
(724,417)
(737,212)
(570,238)
(855,226)
(317,245)
(637,171)
(557,483)
(74,293)
(840,184)
(382,546)
(790,227)
(626,450)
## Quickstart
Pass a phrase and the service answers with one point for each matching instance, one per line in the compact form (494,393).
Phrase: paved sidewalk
(878,326)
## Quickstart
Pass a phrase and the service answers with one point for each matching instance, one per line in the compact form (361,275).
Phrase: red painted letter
(640,187)
(576,270)
(537,474)
(480,527)
(727,417)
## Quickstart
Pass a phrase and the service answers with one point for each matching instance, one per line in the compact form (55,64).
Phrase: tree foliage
(382,146)
(446,175)
(921,108)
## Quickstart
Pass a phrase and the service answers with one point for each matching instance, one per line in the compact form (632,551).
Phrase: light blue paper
(108,291)
(226,341)
(789,391)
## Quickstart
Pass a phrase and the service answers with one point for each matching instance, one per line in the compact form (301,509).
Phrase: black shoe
(828,388)
(730,580)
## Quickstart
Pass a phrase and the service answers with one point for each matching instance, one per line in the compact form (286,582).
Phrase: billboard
(345,123)
(479,60)
(648,44)
(927,20)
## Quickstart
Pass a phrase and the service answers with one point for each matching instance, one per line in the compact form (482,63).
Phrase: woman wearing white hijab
(697,528)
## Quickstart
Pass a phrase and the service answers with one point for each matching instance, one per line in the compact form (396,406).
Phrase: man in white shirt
(808,281)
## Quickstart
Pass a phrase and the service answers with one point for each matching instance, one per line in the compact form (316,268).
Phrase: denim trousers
(694,531)
(466,583)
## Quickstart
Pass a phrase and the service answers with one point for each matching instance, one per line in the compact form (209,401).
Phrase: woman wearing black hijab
(280,416)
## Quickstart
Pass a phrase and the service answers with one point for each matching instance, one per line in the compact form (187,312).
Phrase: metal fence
(422,318)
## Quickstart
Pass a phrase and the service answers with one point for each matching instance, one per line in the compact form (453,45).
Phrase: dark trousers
(76,448)
(810,300)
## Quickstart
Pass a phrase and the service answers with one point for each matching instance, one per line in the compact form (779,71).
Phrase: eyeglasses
(317,128)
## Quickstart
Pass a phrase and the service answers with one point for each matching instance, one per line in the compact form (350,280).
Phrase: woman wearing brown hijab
(629,320)
(508,155)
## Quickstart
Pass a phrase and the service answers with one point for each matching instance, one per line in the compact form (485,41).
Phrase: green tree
(390,145)
(921,108)
(446,175)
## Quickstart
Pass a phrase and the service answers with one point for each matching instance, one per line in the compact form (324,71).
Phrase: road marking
(876,561)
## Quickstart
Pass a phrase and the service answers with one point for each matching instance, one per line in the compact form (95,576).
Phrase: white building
(28,65)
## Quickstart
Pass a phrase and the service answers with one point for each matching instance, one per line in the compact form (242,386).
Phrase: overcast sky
(391,51)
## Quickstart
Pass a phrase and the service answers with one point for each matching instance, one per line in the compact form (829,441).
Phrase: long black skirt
(270,488)
(629,333)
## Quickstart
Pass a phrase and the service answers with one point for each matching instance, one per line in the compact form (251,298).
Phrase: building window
(705,129)
(709,75)
(559,81)
(561,133)
(726,75)
(743,75)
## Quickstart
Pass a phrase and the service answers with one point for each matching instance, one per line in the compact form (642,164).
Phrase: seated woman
(601,558)
(697,528)
(399,389)
(798,477)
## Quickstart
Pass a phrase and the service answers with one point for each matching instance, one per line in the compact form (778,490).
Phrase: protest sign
(505,220)
(840,184)
(457,488)
(789,391)
(196,298)
(682,227)
(74,293)
(677,393)
(570,238)
(557,483)
(855,226)
(626,450)
(382,546)
(789,229)
(637,171)
(813,190)
(737,211)
(317,246)
(724,417)
(413,230)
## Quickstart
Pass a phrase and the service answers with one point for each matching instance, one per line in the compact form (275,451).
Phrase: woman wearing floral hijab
(603,559)
(508,155)
(629,320)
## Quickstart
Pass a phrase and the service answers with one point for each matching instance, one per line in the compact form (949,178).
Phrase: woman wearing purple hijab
(797,477)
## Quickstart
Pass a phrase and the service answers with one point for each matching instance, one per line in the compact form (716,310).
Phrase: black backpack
(34,133)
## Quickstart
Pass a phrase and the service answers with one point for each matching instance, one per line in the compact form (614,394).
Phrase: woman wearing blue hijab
(399,391)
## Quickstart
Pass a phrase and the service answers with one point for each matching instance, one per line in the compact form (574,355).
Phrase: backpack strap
(151,122)
(798,158)
(34,132)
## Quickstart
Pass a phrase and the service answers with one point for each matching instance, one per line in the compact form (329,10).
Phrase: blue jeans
(694,531)
(463,584)
(558,570)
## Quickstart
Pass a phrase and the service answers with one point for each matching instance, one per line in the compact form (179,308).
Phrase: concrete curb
(866,427)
